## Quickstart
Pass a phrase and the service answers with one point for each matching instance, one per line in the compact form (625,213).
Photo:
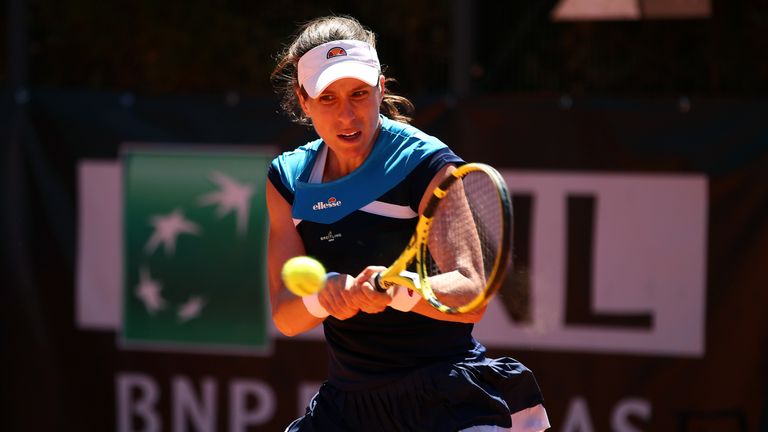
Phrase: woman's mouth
(349,136)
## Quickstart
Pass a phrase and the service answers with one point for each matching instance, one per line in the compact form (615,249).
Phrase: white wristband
(312,303)
(404,299)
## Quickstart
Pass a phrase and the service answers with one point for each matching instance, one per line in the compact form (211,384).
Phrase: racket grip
(377,283)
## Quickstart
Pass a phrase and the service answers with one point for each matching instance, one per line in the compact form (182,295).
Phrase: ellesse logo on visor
(332,202)
(335,52)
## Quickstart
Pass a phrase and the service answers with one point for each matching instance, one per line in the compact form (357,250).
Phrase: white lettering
(626,408)
(251,403)
(326,205)
(330,237)
(240,416)
(577,418)
(187,407)
(142,406)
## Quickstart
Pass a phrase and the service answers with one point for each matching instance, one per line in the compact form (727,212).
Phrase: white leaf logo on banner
(167,228)
(148,291)
(232,196)
(191,309)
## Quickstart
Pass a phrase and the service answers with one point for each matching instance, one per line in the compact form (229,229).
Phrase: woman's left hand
(371,300)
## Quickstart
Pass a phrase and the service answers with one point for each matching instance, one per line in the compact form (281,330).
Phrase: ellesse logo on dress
(332,202)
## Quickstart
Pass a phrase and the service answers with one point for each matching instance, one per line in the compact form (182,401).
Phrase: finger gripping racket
(462,243)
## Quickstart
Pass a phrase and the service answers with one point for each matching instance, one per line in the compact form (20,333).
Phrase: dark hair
(285,80)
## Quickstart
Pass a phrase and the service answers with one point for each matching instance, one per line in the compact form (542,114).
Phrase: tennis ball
(303,275)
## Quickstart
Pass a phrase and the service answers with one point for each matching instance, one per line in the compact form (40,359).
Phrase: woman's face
(346,115)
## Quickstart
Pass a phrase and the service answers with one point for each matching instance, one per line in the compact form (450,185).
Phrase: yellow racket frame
(417,246)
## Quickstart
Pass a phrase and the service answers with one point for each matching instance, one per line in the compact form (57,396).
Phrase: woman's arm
(463,258)
(288,311)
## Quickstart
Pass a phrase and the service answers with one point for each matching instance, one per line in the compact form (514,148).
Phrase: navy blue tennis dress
(391,371)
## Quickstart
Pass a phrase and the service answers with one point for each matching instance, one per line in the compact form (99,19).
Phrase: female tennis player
(351,199)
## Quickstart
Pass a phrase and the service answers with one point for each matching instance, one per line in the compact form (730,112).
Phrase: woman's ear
(303,101)
(382,88)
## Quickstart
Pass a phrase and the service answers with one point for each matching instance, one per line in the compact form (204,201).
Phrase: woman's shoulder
(397,128)
(297,159)
(299,154)
(289,167)
(407,136)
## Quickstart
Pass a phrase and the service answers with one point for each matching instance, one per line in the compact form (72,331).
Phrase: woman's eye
(326,98)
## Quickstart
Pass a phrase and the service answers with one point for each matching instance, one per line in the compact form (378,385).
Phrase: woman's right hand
(344,296)
(372,300)
(338,296)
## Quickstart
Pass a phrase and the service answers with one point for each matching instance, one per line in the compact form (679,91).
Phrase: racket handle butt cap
(377,283)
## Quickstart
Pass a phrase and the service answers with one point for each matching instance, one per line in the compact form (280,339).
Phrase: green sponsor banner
(195,250)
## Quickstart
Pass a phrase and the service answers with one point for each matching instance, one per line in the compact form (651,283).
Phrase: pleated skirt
(439,398)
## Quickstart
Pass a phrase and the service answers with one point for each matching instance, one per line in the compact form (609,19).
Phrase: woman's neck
(339,164)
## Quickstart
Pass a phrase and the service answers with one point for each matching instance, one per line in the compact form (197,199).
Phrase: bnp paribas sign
(194,236)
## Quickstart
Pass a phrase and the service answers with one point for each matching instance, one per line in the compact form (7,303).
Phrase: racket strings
(465,239)
(483,197)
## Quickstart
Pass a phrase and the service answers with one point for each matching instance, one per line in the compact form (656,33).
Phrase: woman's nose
(346,110)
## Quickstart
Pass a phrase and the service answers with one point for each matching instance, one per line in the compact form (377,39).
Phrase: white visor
(326,63)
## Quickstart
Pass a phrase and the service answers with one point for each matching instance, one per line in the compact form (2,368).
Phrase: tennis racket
(462,243)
